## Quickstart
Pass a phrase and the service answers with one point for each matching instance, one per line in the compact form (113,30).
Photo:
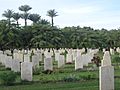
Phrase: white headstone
(39,54)
(35,61)
(74,54)
(103,49)
(85,59)
(47,54)
(3,58)
(48,65)
(111,51)
(26,71)
(8,52)
(15,65)
(78,62)
(57,54)
(118,49)
(106,76)
(26,58)
(16,55)
(61,61)
(106,59)
(8,62)
(69,58)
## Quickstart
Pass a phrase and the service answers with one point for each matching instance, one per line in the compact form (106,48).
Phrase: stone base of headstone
(106,76)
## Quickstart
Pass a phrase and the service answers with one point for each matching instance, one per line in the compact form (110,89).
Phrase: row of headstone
(80,60)
(8,62)
(106,71)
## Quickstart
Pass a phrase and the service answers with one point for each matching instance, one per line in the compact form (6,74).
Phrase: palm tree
(8,14)
(25,9)
(25,17)
(34,17)
(52,14)
(44,22)
(16,16)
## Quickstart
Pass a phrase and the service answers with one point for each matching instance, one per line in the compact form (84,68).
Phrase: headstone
(78,52)
(57,55)
(26,58)
(106,78)
(35,61)
(16,55)
(84,58)
(106,59)
(20,55)
(111,51)
(61,61)
(7,52)
(39,54)
(15,65)
(89,56)
(78,62)
(118,49)
(47,54)
(69,58)
(48,65)
(103,49)
(26,71)
(106,73)
(8,62)
(74,54)
(3,58)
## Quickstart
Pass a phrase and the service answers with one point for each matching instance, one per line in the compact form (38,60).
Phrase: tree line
(43,34)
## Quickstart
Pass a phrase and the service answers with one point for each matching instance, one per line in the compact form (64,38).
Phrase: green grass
(90,85)
(84,85)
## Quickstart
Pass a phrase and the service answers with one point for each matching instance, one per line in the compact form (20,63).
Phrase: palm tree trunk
(52,21)
(9,23)
(17,24)
(25,23)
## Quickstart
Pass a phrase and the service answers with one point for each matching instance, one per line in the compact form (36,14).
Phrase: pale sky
(94,13)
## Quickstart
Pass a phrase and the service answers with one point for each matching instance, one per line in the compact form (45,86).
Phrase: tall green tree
(52,13)
(16,17)
(8,14)
(34,17)
(44,22)
(25,17)
(3,34)
(25,9)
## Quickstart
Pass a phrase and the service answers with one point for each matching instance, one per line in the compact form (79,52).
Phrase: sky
(97,14)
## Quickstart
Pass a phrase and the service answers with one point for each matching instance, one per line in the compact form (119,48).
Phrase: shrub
(8,78)
(26,82)
(47,72)
(71,78)
(116,59)
(88,77)
(36,71)
(8,68)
